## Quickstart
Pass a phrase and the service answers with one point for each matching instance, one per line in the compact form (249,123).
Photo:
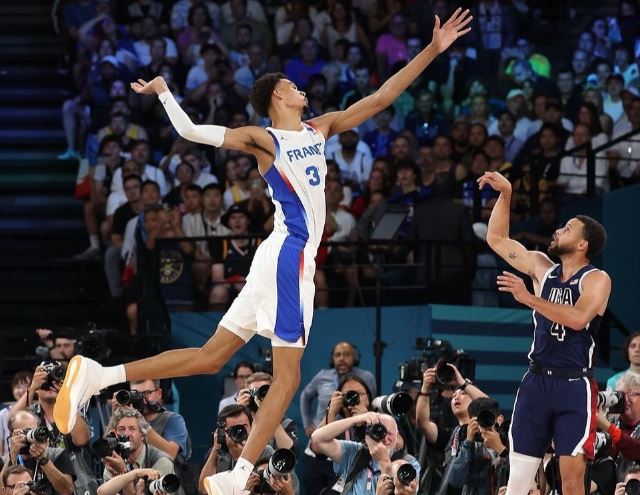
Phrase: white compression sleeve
(522,472)
(205,134)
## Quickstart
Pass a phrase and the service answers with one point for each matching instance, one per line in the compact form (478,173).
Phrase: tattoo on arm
(513,255)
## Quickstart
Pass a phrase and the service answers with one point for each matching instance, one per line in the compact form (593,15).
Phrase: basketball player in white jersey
(277,301)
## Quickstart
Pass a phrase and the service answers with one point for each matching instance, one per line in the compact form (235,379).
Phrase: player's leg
(572,472)
(529,434)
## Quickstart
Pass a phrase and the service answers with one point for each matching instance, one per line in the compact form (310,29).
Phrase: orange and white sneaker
(81,382)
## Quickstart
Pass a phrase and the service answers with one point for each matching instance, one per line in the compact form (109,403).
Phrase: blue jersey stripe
(294,215)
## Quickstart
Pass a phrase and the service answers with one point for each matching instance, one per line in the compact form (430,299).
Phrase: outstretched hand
(508,282)
(156,86)
(496,181)
(455,27)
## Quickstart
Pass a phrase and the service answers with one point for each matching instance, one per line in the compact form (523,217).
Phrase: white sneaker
(91,253)
(80,383)
(224,483)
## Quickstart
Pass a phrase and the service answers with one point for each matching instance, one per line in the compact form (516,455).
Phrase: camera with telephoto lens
(169,483)
(611,402)
(237,433)
(377,432)
(55,373)
(406,474)
(34,435)
(131,398)
(257,394)
(632,487)
(351,398)
(602,445)
(397,404)
(281,463)
(104,447)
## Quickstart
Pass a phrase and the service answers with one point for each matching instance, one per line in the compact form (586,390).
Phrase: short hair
(151,183)
(194,188)
(109,138)
(17,469)
(137,142)
(21,414)
(127,412)
(497,139)
(21,377)
(507,112)
(262,91)
(232,411)
(630,380)
(132,177)
(185,163)
(243,364)
(212,187)
(627,343)
(484,404)
(156,383)
(349,377)
(594,233)
(259,376)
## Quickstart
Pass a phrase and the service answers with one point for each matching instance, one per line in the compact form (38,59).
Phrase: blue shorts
(558,409)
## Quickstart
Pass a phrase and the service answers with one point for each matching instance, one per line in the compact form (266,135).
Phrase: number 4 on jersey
(558,331)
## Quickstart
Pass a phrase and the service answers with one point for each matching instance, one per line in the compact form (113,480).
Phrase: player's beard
(556,250)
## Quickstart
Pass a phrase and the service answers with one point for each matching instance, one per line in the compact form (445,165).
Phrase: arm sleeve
(204,134)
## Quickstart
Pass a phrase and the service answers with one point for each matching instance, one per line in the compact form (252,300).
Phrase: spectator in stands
(344,360)
(624,64)
(496,28)
(354,162)
(317,96)
(631,354)
(505,130)
(602,70)
(375,184)
(391,47)
(580,65)
(240,15)
(201,74)
(232,261)
(254,9)
(633,473)
(588,115)
(257,204)
(149,32)
(307,63)
(19,386)
(140,8)
(602,46)
(480,113)
(361,78)
(522,72)
(129,422)
(477,136)
(158,58)
(539,237)
(569,95)
(150,194)
(624,155)
(612,100)
(379,140)
(443,158)
(523,50)
(184,179)
(246,75)
(47,463)
(343,25)
(167,429)
(140,157)
(197,33)
(401,148)
(424,122)
(242,371)
(198,161)
(121,127)
(181,9)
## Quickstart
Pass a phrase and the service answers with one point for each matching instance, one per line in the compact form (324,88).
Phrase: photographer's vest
(181,466)
(622,463)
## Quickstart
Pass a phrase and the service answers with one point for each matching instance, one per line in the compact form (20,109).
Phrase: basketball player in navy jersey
(277,300)
(557,397)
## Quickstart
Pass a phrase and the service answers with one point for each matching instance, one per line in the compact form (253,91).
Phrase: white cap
(514,92)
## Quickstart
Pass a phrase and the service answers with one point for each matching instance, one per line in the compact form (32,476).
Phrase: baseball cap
(235,208)
(514,92)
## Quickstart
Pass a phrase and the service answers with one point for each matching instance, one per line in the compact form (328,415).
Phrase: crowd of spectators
(452,435)
(494,101)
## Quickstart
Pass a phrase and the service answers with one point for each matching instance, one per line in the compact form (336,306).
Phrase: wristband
(424,394)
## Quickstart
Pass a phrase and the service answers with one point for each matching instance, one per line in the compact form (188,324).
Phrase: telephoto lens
(632,487)
(103,447)
(169,483)
(262,391)
(238,433)
(377,432)
(280,464)
(351,398)
(486,419)
(40,434)
(445,374)
(406,474)
(611,402)
(398,404)
(123,397)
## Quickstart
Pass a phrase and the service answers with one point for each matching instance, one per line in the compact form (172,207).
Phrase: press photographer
(59,346)
(631,482)
(403,480)
(625,430)
(359,465)
(141,481)
(434,433)
(29,447)
(252,396)
(131,449)
(274,475)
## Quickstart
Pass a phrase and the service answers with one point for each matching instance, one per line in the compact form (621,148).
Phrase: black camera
(40,487)
(486,419)
(237,433)
(130,398)
(266,365)
(55,373)
(281,463)
(406,474)
(351,398)
(445,374)
(377,432)
(611,402)
(104,447)
(632,487)
(169,483)
(259,393)
(397,404)
(34,435)
(93,343)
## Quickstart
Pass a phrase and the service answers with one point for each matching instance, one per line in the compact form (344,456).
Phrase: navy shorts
(558,409)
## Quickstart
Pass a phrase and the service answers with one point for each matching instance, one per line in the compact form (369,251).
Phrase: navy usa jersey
(555,346)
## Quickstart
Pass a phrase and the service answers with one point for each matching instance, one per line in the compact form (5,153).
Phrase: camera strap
(361,462)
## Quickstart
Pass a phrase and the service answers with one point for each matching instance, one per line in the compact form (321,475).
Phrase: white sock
(94,242)
(242,471)
(111,375)
(522,472)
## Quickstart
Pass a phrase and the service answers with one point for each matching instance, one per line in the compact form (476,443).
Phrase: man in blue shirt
(359,466)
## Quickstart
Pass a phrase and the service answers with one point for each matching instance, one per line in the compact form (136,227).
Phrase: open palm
(455,27)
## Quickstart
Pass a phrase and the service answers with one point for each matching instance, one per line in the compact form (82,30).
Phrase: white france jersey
(296,182)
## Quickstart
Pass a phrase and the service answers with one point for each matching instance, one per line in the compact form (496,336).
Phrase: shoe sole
(64,411)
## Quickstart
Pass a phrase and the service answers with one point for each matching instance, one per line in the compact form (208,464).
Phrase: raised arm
(337,122)
(511,251)
(250,139)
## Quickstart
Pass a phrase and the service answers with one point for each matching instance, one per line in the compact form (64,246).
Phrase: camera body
(104,447)
(351,398)
(55,373)
(40,487)
(611,402)
(131,398)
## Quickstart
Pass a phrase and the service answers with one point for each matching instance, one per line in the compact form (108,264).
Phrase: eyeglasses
(147,393)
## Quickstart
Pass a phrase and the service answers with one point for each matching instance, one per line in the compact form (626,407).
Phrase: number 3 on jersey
(558,331)
(313,174)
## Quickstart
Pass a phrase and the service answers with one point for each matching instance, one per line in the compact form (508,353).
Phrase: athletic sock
(242,471)
(522,473)
(94,242)
(111,375)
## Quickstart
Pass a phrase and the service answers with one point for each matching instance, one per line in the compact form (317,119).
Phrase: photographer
(395,484)
(50,466)
(137,454)
(434,433)
(625,431)
(252,396)
(17,480)
(633,473)
(60,346)
(359,465)
(481,465)
(242,371)
(280,485)
(19,386)
(136,478)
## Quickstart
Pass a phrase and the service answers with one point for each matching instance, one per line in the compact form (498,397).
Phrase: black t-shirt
(60,460)
(603,474)
(121,217)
